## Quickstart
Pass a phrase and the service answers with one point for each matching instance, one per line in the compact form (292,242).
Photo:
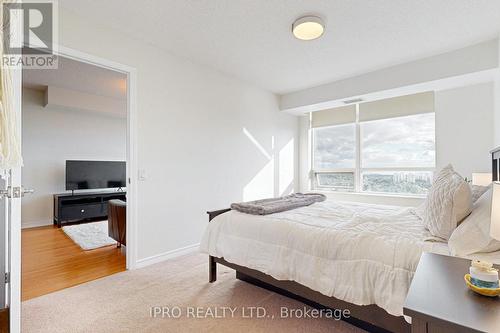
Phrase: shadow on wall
(276,177)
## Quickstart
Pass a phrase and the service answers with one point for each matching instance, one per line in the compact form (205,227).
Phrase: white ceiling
(251,39)
(79,76)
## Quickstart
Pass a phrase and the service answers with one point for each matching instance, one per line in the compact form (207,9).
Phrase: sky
(385,143)
(335,147)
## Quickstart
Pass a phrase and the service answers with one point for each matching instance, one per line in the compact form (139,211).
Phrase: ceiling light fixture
(308,28)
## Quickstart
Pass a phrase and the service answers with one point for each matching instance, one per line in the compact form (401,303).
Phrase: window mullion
(310,155)
(358,153)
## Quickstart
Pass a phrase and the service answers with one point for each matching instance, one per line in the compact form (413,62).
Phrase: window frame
(331,188)
(359,170)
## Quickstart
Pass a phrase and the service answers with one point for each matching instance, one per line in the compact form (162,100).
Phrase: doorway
(127,251)
(74,148)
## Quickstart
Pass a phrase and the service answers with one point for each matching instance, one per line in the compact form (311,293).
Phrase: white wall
(464,128)
(205,139)
(69,98)
(304,154)
(53,135)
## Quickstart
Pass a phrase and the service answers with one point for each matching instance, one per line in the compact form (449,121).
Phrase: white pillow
(449,201)
(478,191)
(473,235)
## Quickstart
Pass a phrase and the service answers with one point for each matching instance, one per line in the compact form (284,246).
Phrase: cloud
(335,147)
(397,142)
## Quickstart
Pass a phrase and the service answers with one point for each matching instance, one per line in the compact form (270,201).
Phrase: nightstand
(439,300)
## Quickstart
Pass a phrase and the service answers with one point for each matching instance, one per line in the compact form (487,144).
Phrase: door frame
(14,215)
(132,179)
(131,156)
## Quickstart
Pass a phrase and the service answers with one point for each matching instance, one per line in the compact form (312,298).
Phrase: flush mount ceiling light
(308,28)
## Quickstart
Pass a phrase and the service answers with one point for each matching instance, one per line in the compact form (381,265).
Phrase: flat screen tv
(85,175)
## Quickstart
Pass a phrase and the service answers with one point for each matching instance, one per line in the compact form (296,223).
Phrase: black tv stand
(83,207)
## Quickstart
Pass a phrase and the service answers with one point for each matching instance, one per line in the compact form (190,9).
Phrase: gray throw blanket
(276,205)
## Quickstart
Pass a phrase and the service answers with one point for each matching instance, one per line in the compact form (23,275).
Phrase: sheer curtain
(10,145)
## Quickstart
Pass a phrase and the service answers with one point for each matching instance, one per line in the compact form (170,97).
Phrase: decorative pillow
(478,191)
(473,235)
(449,201)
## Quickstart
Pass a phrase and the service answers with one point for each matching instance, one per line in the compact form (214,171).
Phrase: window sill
(364,194)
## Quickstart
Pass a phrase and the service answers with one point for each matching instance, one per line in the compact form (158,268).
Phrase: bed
(340,255)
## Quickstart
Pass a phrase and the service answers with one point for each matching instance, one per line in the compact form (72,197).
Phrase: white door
(11,192)
(3,240)
(12,202)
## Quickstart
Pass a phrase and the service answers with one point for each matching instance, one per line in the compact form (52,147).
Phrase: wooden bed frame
(495,164)
(369,317)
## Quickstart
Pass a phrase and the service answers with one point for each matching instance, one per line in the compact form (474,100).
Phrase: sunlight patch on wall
(277,176)
(286,168)
(262,185)
(257,144)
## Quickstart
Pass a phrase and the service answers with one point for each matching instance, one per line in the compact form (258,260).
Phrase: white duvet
(360,253)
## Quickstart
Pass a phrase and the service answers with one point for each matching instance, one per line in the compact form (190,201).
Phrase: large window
(393,154)
(335,157)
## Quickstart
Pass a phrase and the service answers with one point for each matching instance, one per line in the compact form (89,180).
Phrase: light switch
(142,175)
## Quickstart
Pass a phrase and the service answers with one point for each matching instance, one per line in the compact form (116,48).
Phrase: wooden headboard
(495,164)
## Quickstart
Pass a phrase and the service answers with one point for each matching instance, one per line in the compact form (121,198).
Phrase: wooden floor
(51,261)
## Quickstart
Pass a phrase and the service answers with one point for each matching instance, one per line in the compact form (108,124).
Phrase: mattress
(360,253)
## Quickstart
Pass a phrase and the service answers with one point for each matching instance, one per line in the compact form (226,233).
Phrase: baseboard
(167,255)
(34,224)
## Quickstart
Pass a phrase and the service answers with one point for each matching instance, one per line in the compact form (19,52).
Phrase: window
(398,142)
(335,157)
(403,182)
(377,154)
(398,154)
(335,147)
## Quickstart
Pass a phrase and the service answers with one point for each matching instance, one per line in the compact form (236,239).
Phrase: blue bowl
(484,284)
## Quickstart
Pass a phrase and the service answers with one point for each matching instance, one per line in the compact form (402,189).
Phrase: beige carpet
(122,303)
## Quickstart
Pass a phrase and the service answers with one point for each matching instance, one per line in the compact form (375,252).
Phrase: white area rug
(89,236)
